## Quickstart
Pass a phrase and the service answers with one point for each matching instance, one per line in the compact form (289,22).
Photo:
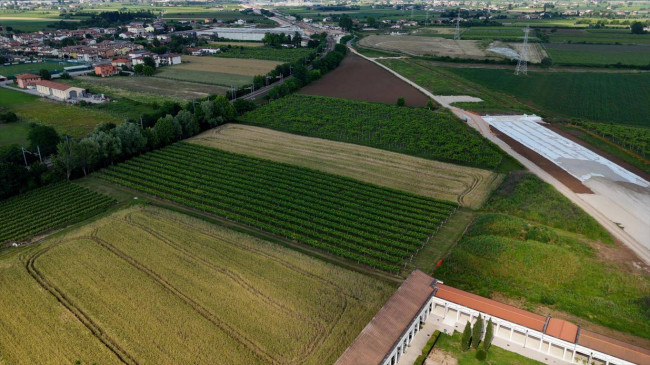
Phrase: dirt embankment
(564,177)
(359,79)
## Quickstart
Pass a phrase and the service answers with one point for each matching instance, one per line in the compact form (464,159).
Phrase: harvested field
(427,46)
(141,290)
(235,66)
(217,70)
(360,79)
(468,186)
(131,87)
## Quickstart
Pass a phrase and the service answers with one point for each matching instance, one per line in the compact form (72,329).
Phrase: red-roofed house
(26,80)
(59,91)
(105,70)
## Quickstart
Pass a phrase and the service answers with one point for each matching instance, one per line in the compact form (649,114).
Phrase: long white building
(422,298)
(248,34)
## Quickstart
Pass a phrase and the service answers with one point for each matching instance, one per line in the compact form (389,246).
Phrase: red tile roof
(491,307)
(384,330)
(28,76)
(562,329)
(53,85)
(614,347)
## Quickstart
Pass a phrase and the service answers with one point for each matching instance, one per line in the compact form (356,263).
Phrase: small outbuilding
(26,80)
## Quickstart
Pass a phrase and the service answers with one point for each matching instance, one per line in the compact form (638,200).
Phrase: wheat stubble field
(466,185)
(146,285)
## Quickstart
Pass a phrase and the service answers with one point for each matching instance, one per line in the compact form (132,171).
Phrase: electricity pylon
(457,31)
(522,63)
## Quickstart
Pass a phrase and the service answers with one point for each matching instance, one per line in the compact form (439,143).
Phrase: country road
(477,122)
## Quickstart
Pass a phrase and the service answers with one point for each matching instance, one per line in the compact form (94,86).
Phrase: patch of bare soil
(360,79)
(440,357)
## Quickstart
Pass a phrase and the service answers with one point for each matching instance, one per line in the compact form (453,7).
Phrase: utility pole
(24,157)
(522,63)
(40,158)
(457,31)
(141,124)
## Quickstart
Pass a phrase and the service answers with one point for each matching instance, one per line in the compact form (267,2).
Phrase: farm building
(248,34)
(26,80)
(421,298)
(59,91)
(105,70)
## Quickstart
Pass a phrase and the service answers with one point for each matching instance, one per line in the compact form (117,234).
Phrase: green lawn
(496,355)
(267,53)
(600,97)
(14,70)
(203,77)
(14,133)
(70,119)
(442,81)
(528,247)
(598,55)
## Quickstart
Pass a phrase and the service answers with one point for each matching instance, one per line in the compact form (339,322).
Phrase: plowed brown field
(359,79)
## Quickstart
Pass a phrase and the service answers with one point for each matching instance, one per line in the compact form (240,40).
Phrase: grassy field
(434,135)
(267,53)
(26,24)
(538,250)
(73,120)
(450,345)
(157,294)
(14,133)
(216,70)
(468,186)
(602,36)
(599,97)
(222,44)
(441,81)
(147,89)
(34,68)
(598,54)
(376,226)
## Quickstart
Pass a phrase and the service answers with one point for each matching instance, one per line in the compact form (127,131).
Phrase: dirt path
(478,123)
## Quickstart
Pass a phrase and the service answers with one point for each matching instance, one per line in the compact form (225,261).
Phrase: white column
(512,330)
(525,338)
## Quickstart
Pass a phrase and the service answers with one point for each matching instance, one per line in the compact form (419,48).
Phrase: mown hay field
(466,185)
(427,46)
(161,287)
(217,70)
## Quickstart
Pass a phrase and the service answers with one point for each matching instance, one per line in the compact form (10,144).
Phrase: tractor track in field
(61,297)
(338,289)
(476,180)
(251,345)
(229,273)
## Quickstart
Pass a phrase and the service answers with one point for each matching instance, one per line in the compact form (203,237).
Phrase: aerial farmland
(335,183)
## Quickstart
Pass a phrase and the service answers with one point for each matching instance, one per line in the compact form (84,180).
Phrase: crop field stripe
(322,197)
(204,312)
(363,187)
(45,208)
(92,326)
(276,198)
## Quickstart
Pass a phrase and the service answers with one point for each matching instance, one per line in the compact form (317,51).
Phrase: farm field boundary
(468,186)
(315,309)
(353,222)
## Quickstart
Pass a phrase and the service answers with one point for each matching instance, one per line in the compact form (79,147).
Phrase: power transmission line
(457,31)
(522,63)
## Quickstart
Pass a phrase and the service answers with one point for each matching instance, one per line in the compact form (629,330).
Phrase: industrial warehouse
(421,299)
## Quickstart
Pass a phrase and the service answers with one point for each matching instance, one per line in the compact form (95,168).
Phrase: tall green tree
(466,338)
(168,130)
(345,22)
(87,153)
(131,139)
(109,146)
(489,335)
(45,74)
(477,332)
(66,156)
(636,28)
(44,137)
(189,126)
